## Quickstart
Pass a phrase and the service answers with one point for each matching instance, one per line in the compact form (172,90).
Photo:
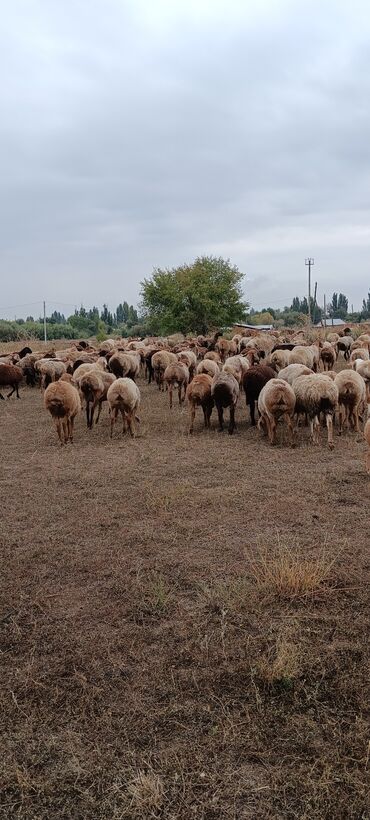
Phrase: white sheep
(351,395)
(314,395)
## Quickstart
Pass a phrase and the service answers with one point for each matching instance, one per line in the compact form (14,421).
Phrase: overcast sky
(137,134)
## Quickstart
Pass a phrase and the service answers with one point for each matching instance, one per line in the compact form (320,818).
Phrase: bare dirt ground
(184,621)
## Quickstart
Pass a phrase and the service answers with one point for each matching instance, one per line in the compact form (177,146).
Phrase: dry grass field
(184,621)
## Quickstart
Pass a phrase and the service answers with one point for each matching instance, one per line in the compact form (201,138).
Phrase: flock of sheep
(282,374)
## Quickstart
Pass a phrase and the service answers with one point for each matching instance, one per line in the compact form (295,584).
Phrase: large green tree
(194,298)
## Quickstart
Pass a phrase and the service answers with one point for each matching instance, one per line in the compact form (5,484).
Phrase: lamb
(94,386)
(10,376)
(124,397)
(63,402)
(292,371)
(367,439)
(225,393)
(328,356)
(198,394)
(208,366)
(343,344)
(316,394)
(253,381)
(189,358)
(276,399)
(351,394)
(177,375)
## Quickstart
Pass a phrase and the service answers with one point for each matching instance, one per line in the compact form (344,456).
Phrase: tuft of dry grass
(285,572)
(147,792)
(281,665)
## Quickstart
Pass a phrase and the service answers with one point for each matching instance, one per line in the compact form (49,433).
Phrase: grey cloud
(136,134)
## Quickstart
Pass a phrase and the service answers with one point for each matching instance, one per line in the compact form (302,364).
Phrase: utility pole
(309,262)
(352,307)
(325,310)
(45,336)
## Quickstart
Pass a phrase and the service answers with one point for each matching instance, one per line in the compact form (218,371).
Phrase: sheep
(292,371)
(94,385)
(198,394)
(351,393)
(342,344)
(316,394)
(309,356)
(367,439)
(363,368)
(124,365)
(124,397)
(360,353)
(189,358)
(279,359)
(225,393)
(222,347)
(328,356)
(50,370)
(10,376)
(160,361)
(208,366)
(276,399)
(63,402)
(213,356)
(253,381)
(237,366)
(177,375)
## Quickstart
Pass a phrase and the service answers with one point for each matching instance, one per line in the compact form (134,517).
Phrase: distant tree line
(297,313)
(124,321)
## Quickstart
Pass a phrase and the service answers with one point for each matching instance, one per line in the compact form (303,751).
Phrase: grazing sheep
(314,395)
(199,394)
(237,366)
(253,381)
(213,356)
(208,366)
(351,393)
(367,439)
(10,376)
(124,397)
(94,385)
(177,375)
(276,399)
(292,371)
(309,356)
(63,402)
(342,344)
(225,393)
(188,358)
(328,356)
(160,361)
(50,370)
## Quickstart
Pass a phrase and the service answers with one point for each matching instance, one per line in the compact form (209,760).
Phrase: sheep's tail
(57,407)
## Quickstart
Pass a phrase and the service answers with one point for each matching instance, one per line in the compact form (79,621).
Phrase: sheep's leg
(288,420)
(232,419)
(113,417)
(220,412)
(367,462)
(329,424)
(11,393)
(131,423)
(252,412)
(192,417)
(316,428)
(179,393)
(123,414)
(65,430)
(262,425)
(355,420)
(99,411)
(170,389)
(271,423)
(2,397)
(71,422)
(340,419)
(58,424)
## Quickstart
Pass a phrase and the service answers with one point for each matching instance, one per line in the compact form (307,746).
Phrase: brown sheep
(225,393)
(63,402)
(10,376)
(177,375)
(328,356)
(276,399)
(198,394)
(208,366)
(160,361)
(253,381)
